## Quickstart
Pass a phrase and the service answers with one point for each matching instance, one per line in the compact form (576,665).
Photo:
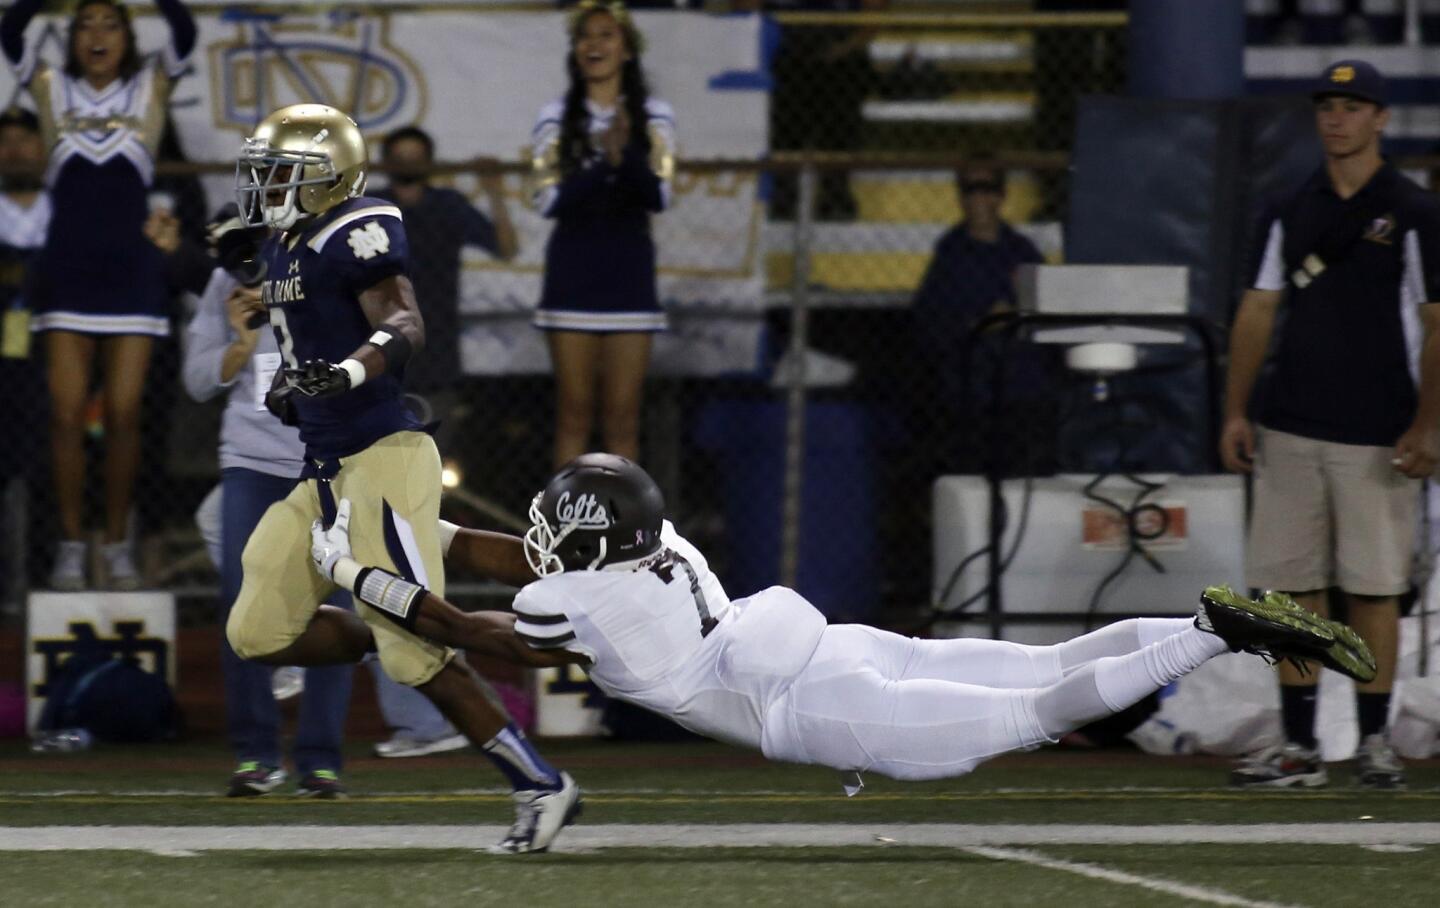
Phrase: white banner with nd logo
(135,625)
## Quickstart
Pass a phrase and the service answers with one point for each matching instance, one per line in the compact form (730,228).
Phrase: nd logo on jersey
(343,59)
(369,241)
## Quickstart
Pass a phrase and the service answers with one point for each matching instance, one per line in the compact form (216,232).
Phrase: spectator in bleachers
(439,222)
(971,276)
(260,461)
(603,158)
(24,217)
(99,293)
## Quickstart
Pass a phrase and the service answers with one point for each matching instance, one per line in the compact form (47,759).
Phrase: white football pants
(930,709)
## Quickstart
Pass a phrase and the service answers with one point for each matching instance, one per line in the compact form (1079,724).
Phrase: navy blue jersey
(313,281)
(1346,366)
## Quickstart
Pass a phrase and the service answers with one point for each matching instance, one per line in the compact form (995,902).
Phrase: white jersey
(665,636)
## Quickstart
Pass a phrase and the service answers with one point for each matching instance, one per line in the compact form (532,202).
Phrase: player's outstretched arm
(493,556)
(488,633)
(417,609)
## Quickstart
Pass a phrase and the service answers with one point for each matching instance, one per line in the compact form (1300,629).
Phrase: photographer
(229,348)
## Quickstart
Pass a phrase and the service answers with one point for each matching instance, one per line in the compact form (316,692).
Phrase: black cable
(1134,534)
(1026,494)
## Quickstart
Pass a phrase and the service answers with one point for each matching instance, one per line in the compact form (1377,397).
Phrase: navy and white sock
(514,755)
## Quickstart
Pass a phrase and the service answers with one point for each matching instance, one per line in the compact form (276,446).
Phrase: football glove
(280,401)
(317,378)
(329,544)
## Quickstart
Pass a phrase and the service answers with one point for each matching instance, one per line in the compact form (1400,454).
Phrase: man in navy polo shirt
(1349,422)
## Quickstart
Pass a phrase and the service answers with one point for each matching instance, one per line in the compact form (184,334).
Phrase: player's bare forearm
(493,556)
(485,633)
(390,305)
(1249,339)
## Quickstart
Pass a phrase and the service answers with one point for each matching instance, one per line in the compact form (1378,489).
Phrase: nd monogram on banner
(343,59)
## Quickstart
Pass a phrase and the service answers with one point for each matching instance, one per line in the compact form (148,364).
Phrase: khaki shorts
(1326,514)
(394,492)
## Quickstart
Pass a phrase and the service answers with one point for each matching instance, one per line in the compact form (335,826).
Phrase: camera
(238,249)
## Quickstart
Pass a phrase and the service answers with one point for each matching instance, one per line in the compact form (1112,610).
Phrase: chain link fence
(819,373)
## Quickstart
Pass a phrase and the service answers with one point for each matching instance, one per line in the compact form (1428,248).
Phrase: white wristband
(447,536)
(356,371)
(346,570)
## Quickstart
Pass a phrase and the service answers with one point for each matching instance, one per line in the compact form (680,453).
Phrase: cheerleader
(603,159)
(99,292)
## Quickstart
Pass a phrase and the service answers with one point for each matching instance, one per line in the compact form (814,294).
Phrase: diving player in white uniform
(622,594)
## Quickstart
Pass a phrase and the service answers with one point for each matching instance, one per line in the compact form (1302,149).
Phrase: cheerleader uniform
(97,273)
(600,259)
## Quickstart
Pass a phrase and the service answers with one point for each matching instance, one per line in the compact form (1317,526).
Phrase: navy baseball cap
(1351,79)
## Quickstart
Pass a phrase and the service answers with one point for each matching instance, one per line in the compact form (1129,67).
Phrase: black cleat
(322,784)
(1348,655)
(1274,627)
(251,779)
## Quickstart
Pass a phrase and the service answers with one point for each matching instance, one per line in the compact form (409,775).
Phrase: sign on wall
(125,625)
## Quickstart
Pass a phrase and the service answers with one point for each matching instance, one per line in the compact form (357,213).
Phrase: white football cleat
(539,817)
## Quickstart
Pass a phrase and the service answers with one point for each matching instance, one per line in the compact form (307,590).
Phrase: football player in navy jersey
(346,322)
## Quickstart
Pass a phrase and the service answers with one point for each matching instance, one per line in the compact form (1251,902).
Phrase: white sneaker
(67,574)
(403,746)
(539,817)
(1377,765)
(287,681)
(119,566)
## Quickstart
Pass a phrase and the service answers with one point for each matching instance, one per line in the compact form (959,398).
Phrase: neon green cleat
(1348,655)
(1274,627)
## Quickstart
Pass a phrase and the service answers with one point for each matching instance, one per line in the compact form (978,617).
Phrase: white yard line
(1114,791)
(1095,872)
(629,835)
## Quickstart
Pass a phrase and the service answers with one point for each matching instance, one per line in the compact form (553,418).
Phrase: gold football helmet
(302,160)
